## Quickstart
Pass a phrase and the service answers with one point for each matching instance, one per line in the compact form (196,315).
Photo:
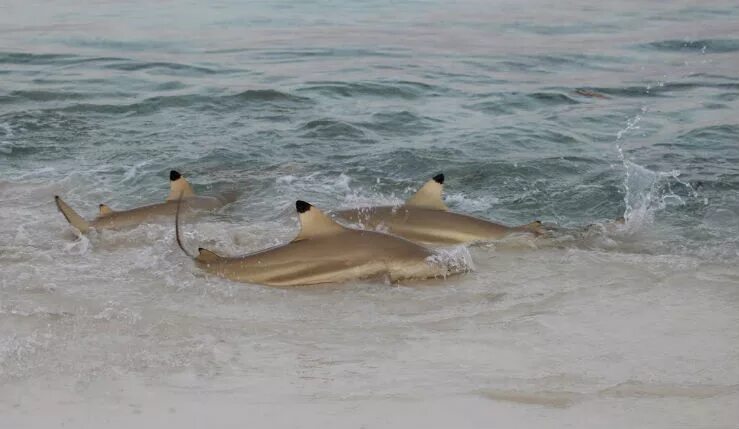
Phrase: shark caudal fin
(178,187)
(177,228)
(313,223)
(429,196)
(105,210)
(203,255)
(72,217)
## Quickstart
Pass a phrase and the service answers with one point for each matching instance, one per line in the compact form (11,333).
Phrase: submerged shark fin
(178,187)
(105,210)
(313,223)
(72,217)
(429,196)
(205,255)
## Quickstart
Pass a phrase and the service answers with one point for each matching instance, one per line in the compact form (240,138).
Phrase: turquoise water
(572,113)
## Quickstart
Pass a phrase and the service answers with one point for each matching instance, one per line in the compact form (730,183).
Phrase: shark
(325,252)
(108,218)
(426,219)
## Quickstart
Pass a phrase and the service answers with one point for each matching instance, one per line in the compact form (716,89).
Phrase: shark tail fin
(429,196)
(177,228)
(105,210)
(72,217)
(178,187)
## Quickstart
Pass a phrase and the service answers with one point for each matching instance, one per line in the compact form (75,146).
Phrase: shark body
(110,219)
(425,218)
(326,252)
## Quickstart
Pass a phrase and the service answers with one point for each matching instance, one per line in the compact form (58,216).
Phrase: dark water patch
(727,85)
(331,129)
(24,58)
(163,67)
(127,45)
(660,89)
(510,102)
(712,76)
(652,90)
(527,140)
(41,121)
(549,64)
(565,29)
(54,59)
(398,123)
(717,137)
(271,98)
(144,107)
(314,54)
(170,86)
(715,106)
(42,96)
(704,46)
(269,95)
(729,96)
(397,89)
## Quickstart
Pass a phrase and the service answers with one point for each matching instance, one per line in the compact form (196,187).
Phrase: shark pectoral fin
(429,196)
(206,256)
(72,217)
(178,187)
(313,223)
(105,210)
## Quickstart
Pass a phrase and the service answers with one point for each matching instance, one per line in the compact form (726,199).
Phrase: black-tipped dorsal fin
(105,210)
(178,187)
(205,255)
(429,196)
(313,223)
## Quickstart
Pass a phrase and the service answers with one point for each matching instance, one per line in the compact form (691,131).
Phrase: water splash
(646,191)
(455,259)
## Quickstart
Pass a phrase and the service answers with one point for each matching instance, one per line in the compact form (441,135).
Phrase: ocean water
(573,113)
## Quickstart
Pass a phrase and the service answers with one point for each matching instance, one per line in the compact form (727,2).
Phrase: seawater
(574,114)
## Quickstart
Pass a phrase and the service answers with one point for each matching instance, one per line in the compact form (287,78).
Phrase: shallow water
(347,104)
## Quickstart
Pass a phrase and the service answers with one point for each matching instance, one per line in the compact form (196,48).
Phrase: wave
(511,102)
(169,67)
(397,89)
(703,45)
(331,129)
(202,102)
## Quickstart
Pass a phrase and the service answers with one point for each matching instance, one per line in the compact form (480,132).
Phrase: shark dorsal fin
(429,196)
(178,187)
(205,255)
(313,223)
(105,210)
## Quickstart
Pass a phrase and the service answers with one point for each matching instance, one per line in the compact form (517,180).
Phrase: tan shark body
(425,218)
(110,219)
(326,252)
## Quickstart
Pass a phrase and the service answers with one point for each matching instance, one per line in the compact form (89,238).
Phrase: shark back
(425,218)
(425,225)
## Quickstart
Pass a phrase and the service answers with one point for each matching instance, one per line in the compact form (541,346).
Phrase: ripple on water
(719,46)
(393,89)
